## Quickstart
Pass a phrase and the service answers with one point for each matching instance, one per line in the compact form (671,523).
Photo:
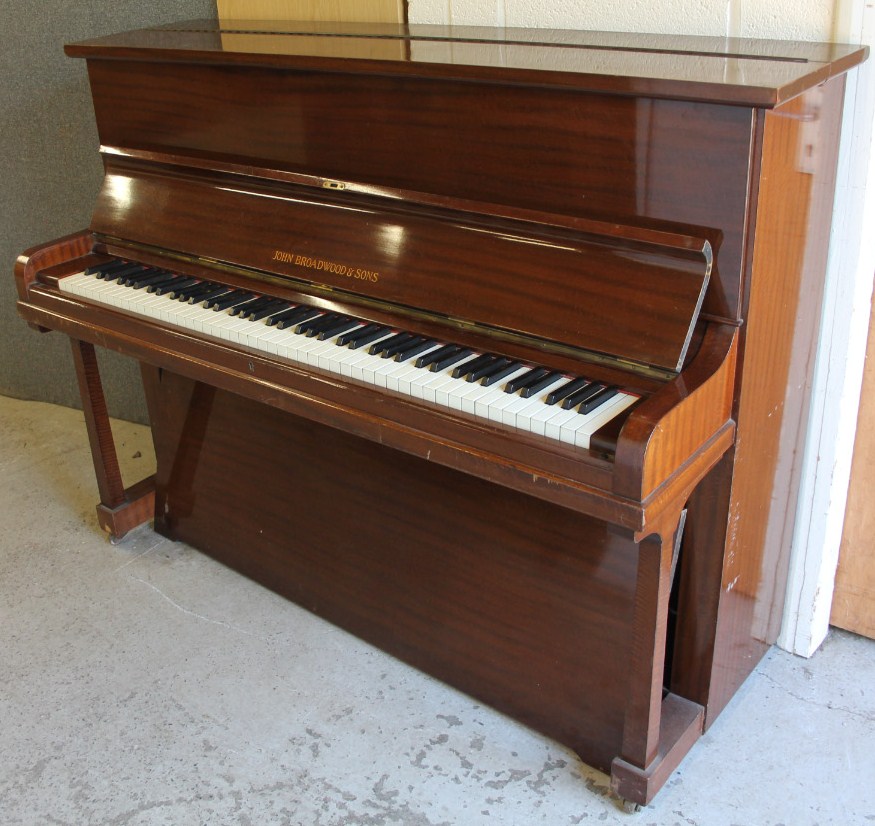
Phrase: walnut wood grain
(778,345)
(766,73)
(119,509)
(376,549)
(663,432)
(680,726)
(576,478)
(671,166)
(644,700)
(524,277)
(137,508)
(109,478)
(570,170)
(44,256)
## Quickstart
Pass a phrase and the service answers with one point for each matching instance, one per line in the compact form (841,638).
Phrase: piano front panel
(525,605)
(671,164)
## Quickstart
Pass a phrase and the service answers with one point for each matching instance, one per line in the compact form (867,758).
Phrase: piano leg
(660,728)
(120,508)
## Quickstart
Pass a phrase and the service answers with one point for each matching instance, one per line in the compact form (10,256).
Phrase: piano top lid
(740,71)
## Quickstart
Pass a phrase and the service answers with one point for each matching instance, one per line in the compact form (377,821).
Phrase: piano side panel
(671,164)
(524,605)
(729,622)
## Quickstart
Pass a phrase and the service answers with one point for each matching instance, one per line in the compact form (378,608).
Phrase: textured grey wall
(51,172)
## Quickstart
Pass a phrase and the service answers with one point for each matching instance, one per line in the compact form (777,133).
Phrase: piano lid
(742,71)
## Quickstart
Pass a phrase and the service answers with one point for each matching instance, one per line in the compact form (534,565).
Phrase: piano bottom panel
(522,604)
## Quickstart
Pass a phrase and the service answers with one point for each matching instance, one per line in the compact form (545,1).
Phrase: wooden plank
(853,604)
(346,11)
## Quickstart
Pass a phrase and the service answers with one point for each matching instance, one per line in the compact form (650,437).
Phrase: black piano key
(599,399)
(132,279)
(362,339)
(469,367)
(169,286)
(525,379)
(194,294)
(341,326)
(450,359)
(129,279)
(530,389)
(275,320)
(313,326)
(213,292)
(567,389)
(243,308)
(414,349)
(264,303)
(396,348)
(436,355)
(250,308)
(106,267)
(382,346)
(229,300)
(269,309)
(500,373)
(158,278)
(297,316)
(130,269)
(497,363)
(182,293)
(152,279)
(401,346)
(354,335)
(127,268)
(583,395)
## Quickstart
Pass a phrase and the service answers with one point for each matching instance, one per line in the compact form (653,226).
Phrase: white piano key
(496,394)
(351,365)
(488,403)
(426,388)
(399,381)
(272,338)
(553,425)
(600,417)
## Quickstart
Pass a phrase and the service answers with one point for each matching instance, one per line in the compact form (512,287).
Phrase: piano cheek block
(491,415)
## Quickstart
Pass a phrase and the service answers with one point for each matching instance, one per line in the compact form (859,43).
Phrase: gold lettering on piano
(320,264)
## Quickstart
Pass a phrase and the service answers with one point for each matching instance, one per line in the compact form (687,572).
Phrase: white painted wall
(793,19)
(838,373)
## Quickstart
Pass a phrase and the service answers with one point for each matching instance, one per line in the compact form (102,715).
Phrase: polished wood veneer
(649,212)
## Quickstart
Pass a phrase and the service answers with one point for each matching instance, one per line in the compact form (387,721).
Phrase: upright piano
(491,346)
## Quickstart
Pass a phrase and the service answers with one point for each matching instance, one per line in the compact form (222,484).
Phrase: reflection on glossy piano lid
(740,71)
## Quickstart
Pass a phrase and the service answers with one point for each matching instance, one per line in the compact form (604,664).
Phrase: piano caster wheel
(630,807)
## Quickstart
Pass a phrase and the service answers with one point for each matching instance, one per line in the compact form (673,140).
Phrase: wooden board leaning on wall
(853,605)
(349,11)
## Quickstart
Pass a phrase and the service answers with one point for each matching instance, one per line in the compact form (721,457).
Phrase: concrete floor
(143,683)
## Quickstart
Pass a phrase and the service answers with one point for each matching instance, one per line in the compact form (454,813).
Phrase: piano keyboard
(520,395)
